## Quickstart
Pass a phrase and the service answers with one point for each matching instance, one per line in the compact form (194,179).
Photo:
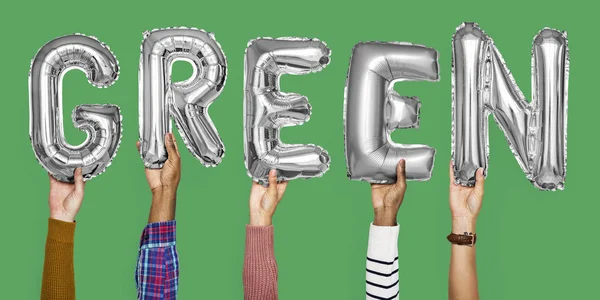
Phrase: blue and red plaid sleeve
(157,271)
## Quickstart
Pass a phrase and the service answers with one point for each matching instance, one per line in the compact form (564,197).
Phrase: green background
(533,244)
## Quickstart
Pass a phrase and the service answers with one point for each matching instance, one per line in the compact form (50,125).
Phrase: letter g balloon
(102,123)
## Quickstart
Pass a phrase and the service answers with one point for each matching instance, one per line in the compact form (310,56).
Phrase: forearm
(385,217)
(382,280)
(157,270)
(463,271)
(163,205)
(58,278)
(260,267)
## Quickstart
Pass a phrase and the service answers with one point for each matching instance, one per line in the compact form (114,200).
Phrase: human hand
(264,200)
(167,178)
(465,202)
(65,198)
(164,182)
(387,198)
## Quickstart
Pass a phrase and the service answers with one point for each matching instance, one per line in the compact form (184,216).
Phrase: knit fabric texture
(58,277)
(260,267)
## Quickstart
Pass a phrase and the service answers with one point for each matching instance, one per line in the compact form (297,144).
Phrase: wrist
(62,218)
(164,193)
(385,217)
(260,220)
(464,224)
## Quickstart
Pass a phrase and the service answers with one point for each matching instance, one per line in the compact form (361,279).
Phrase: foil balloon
(267,109)
(483,85)
(186,101)
(372,110)
(102,123)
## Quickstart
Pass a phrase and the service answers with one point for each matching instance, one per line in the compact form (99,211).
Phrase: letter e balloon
(267,109)
(372,110)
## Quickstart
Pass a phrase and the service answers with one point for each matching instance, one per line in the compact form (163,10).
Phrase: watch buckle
(472,238)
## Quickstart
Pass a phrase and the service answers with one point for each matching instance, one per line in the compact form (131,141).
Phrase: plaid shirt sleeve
(157,271)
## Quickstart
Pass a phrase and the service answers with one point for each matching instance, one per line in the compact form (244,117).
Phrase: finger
(52,179)
(255,184)
(79,183)
(401,173)
(138,145)
(452,179)
(281,188)
(479,181)
(272,189)
(283,184)
(170,144)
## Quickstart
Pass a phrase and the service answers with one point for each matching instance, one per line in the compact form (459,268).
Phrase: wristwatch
(465,239)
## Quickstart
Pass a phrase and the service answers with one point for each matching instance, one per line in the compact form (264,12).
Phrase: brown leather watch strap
(465,239)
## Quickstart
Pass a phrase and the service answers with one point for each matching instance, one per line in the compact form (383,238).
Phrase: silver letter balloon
(186,101)
(267,109)
(482,84)
(102,123)
(372,110)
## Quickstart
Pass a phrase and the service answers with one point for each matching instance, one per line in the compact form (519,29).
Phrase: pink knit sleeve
(260,267)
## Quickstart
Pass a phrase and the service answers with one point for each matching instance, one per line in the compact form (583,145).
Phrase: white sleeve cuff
(383,242)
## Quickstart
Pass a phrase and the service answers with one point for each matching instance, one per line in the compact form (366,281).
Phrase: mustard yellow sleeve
(58,278)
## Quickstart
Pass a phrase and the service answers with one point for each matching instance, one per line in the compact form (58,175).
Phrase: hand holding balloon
(164,182)
(465,202)
(65,198)
(387,198)
(264,200)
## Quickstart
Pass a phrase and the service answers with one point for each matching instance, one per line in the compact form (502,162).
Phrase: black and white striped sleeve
(382,263)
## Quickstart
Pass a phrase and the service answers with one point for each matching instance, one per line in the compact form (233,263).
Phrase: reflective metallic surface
(186,101)
(267,109)
(483,85)
(102,123)
(372,110)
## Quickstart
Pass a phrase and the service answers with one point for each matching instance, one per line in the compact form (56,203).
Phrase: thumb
(171,146)
(79,183)
(401,173)
(479,181)
(272,189)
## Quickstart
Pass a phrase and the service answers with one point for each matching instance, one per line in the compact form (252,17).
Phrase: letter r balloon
(267,109)
(186,101)
(482,84)
(373,110)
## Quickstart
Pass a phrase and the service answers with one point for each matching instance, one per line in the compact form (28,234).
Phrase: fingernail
(402,163)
